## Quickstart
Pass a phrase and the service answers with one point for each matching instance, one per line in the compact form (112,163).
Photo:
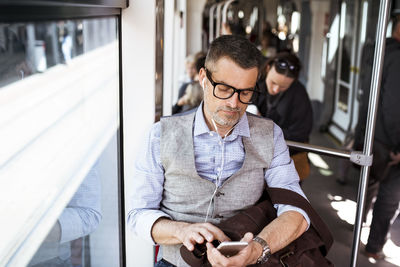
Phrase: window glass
(66,75)
(343,102)
(347,34)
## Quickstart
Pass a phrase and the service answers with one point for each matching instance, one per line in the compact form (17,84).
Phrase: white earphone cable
(217,180)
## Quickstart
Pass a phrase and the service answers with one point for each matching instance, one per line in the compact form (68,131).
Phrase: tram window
(59,113)
(346,60)
(343,98)
(346,32)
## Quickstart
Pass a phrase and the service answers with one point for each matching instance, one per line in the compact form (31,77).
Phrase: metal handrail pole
(384,10)
(319,149)
(225,10)
(211,23)
(218,25)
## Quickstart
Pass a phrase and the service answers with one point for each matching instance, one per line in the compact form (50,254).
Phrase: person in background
(266,47)
(193,94)
(191,70)
(385,169)
(191,99)
(190,73)
(231,27)
(226,29)
(284,100)
(205,166)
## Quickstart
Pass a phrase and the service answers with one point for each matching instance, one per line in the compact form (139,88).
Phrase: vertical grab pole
(211,24)
(218,30)
(384,10)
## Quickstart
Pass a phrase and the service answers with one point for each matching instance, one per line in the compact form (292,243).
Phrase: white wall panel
(138,70)
(315,84)
(194,25)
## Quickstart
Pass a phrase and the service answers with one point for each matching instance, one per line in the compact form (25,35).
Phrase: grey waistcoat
(186,195)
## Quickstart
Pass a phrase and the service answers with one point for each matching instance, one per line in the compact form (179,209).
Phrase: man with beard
(202,167)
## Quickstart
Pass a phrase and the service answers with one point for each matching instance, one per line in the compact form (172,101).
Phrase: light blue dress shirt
(214,157)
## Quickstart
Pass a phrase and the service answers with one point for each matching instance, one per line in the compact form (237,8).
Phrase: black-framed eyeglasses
(283,64)
(225,91)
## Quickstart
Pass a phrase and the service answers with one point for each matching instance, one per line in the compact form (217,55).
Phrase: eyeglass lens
(225,92)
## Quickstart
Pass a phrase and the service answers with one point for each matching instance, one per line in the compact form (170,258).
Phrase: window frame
(17,10)
(45,10)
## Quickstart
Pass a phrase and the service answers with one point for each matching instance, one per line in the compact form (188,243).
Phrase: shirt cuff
(145,223)
(281,208)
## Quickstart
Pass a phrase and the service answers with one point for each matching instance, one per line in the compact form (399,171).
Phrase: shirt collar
(200,125)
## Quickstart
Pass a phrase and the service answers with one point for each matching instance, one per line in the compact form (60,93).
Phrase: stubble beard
(226,120)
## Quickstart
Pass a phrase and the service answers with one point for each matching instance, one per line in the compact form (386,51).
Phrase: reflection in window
(66,74)
(67,241)
(29,48)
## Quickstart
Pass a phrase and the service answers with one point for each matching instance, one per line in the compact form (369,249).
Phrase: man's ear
(202,77)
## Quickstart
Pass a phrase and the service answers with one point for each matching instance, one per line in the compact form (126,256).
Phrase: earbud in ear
(203,83)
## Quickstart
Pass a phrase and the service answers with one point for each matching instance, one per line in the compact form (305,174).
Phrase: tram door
(347,70)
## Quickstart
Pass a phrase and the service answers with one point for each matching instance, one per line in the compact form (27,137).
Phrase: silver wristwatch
(266,253)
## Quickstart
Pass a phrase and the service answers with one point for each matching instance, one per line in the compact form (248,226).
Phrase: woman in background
(284,99)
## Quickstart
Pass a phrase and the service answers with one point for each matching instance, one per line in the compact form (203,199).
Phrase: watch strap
(266,253)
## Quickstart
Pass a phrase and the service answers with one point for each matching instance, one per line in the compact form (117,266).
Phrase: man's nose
(234,100)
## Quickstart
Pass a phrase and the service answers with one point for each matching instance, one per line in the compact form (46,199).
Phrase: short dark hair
(294,65)
(200,63)
(235,47)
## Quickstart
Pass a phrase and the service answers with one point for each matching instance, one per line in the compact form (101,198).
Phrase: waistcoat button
(218,194)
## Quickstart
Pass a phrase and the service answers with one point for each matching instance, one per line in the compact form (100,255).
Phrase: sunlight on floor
(325,172)
(317,161)
(346,210)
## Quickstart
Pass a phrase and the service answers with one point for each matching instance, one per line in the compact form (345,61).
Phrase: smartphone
(231,248)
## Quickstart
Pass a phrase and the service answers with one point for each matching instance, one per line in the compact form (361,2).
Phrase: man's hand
(246,256)
(395,158)
(183,100)
(198,233)
(168,232)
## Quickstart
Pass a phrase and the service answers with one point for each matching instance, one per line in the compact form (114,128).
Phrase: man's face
(226,112)
(276,82)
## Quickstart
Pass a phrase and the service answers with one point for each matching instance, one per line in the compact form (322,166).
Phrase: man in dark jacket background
(386,167)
